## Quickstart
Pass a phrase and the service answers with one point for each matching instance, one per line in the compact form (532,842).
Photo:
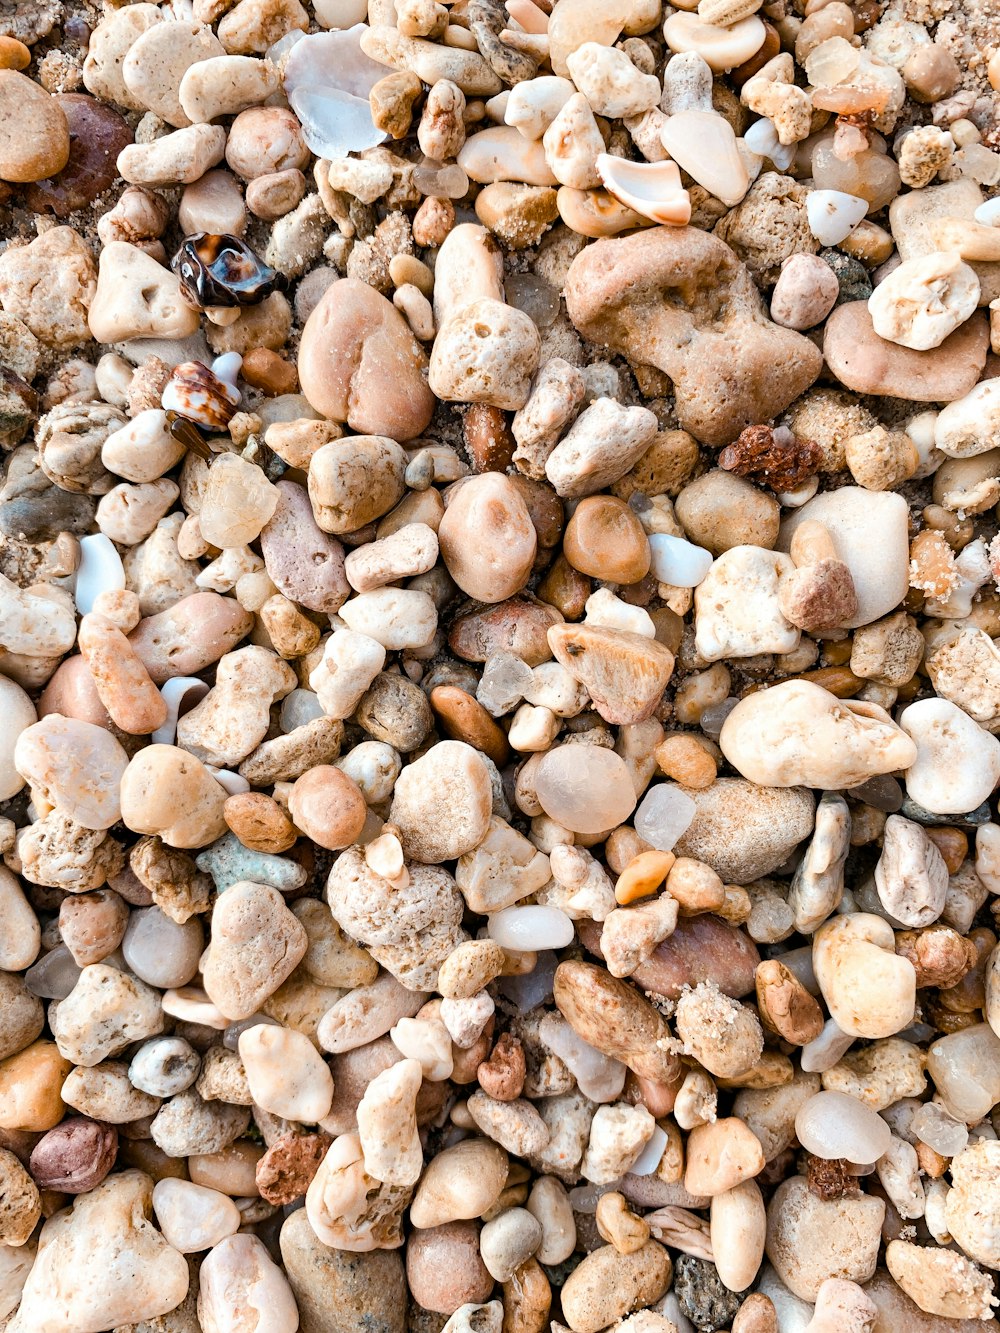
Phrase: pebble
(164,1066)
(444,1269)
(442,803)
(19,714)
(809,1240)
(806,291)
(587,790)
(255,944)
(39,145)
(97,134)
(957,762)
(76,766)
(606,1285)
(192,1218)
(352,482)
(833,1125)
(137,298)
(498,562)
(605,539)
(157,61)
(624,673)
(168,792)
(238,1272)
(367,1290)
(463,1181)
(286,1074)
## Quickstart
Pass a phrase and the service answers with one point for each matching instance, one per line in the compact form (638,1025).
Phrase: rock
(75,1156)
(190,635)
(442,803)
(518,626)
(167,791)
(719,510)
(157,62)
(745,831)
(20,1206)
(461,1182)
(957,762)
(737,607)
(239,1277)
(137,298)
(354,481)
(105,1012)
(50,284)
(866,363)
(870,535)
(805,293)
(191,1217)
(797,734)
(30,1086)
(614,1017)
(108,47)
(444,1269)
(615,293)
(34,133)
(606,1286)
(914,216)
(305,563)
(359,362)
(180,158)
(256,944)
(18,713)
(340,1292)
(810,1240)
(187,1125)
(101,1264)
(625,674)
(487,539)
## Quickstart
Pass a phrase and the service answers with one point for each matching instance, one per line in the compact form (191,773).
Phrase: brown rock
(20,1206)
(519,626)
(74,1157)
(607,1285)
(866,363)
(360,363)
(487,538)
(625,674)
(328,807)
(565,588)
(288,1166)
(605,539)
(464,718)
(259,822)
(34,132)
(614,1017)
(444,1269)
(487,438)
(785,1006)
(701,948)
(679,299)
(819,596)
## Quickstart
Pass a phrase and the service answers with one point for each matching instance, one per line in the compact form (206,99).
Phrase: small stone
(239,1272)
(97,134)
(461,1182)
(495,564)
(442,803)
(359,1293)
(21,1207)
(35,141)
(606,1286)
(55,312)
(104,1012)
(605,539)
(256,943)
(444,1269)
(805,293)
(191,1217)
(30,1085)
(74,1157)
(809,1241)
(624,673)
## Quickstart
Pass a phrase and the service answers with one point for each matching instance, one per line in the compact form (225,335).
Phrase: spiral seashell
(197,395)
(221,270)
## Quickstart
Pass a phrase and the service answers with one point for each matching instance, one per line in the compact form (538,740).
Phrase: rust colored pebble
(565,588)
(97,134)
(952,843)
(502,1075)
(13,54)
(465,719)
(286,1170)
(328,807)
(269,372)
(75,1156)
(605,539)
(839,680)
(259,822)
(444,1269)
(487,438)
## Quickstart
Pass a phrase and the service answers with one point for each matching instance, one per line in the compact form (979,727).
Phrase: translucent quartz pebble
(537,298)
(528,929)
(179,694)
(441,182)
(298,708)
(824,1051)
(649,1159)
(965,1067)
(989,213)
(714,717)
(678,561)
(833,215)
(503,683)
(54,976)
(664,816)
(934,1125)
(587,790)
(599,1076)
(762,138)
(883,792)
(833,1125)
(327,80)
(530,989)
(100,570)
(232,1034)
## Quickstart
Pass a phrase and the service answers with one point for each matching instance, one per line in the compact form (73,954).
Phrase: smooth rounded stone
(101,1264)
(105,1012)
(21,1207)
(191,1217)
(256,943)
(970,1206)
(607,1285)
(328,807)
(834,1125)
(168,792)
(75,766)
(20,932)
(137,298)
(34,133)
(92,925)
(45,514)
(798,734)
(97,134)
(188,1125)
(157,62)
(605,540)
(340,1292)
(866,363)
(663,815)
(805,293)
(105,1093)
(701,948)
(585,788)
(745,831)
(957,763)
(286,1073)
(30,1086)
(518,626)
(352,482)
(303,562)
(164,1066)
(190,635)
(612,1016)
(442,803)
(18,713)
(160,951)
(213,204)
(75,1156)
(444,1269)
(965,1067)
(360,363)
(240,1286)
(394,711)
(531,929)
(720,510)
(810,1241)
(22,1016)
(487,539)
(461,1182)
(224,85)
(108,46)
(507,1241)
(54,975)
(870,535)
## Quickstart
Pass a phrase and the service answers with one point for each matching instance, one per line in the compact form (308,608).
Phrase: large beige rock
(102,1263)
(678,298)
(49,284)
(442,803)
(743,830)
(809,1240)
(34,132)
(360,363)
(256,944)
(137,298)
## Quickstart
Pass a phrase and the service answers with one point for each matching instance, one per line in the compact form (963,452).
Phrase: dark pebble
(974,818)
(396,711)
(41,517)
(97,134)
(706,1302)
(855,284)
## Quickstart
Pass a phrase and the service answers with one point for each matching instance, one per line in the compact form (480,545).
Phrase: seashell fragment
(704,144)
(651,188)
(195,394)
(327,78)
(222,271)
(100,570)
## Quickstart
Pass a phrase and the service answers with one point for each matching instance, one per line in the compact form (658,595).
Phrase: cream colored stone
(192,1217)
(737,611)
(180,158)
(137,298)
(956,764)
(869,989)
(241,1290)
(387,1125)
(286,1073)
(924,300)
(224,85)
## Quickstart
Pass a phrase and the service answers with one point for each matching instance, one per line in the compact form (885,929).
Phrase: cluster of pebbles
(499,666)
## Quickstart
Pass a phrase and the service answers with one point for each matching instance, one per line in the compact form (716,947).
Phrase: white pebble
(174,693)
(101,570)
(989,213)
(234,783)
(834,1125)
(678,561)
(531,928)
(664,815)
(762,139)
(833,215)
(649,1159)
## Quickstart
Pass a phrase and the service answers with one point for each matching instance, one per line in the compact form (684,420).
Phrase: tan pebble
(605,539)
(34,138)
(497,562)
(123,685)
(328,807)
(22,1206)
(14,54)
(461,1182)
(259,822)
(157,61)
(624,673)
(353,481)
(614,1017)
(606,1285)
(256,943)
(167,791)
(465,719)
(76,766)
(809,1240)
(442,803)
(30,1087)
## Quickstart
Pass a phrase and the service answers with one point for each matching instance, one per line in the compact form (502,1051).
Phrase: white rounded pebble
(192,1217)
(649,1159)
(678,561)
(833,215)
(287,1075)
(175,692)
(834,1125)
(664,815)
(762,139)
(958,761)
(531,928)
(164,1066)
(100,570)
(234,783)
(989,213)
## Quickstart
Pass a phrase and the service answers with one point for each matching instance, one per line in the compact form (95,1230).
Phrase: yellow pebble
(13,54)
(643,875)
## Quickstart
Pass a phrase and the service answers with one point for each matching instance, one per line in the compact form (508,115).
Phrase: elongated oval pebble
(834,1125)
(531,928)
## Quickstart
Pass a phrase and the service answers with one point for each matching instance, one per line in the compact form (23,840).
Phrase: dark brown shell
(220,270)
